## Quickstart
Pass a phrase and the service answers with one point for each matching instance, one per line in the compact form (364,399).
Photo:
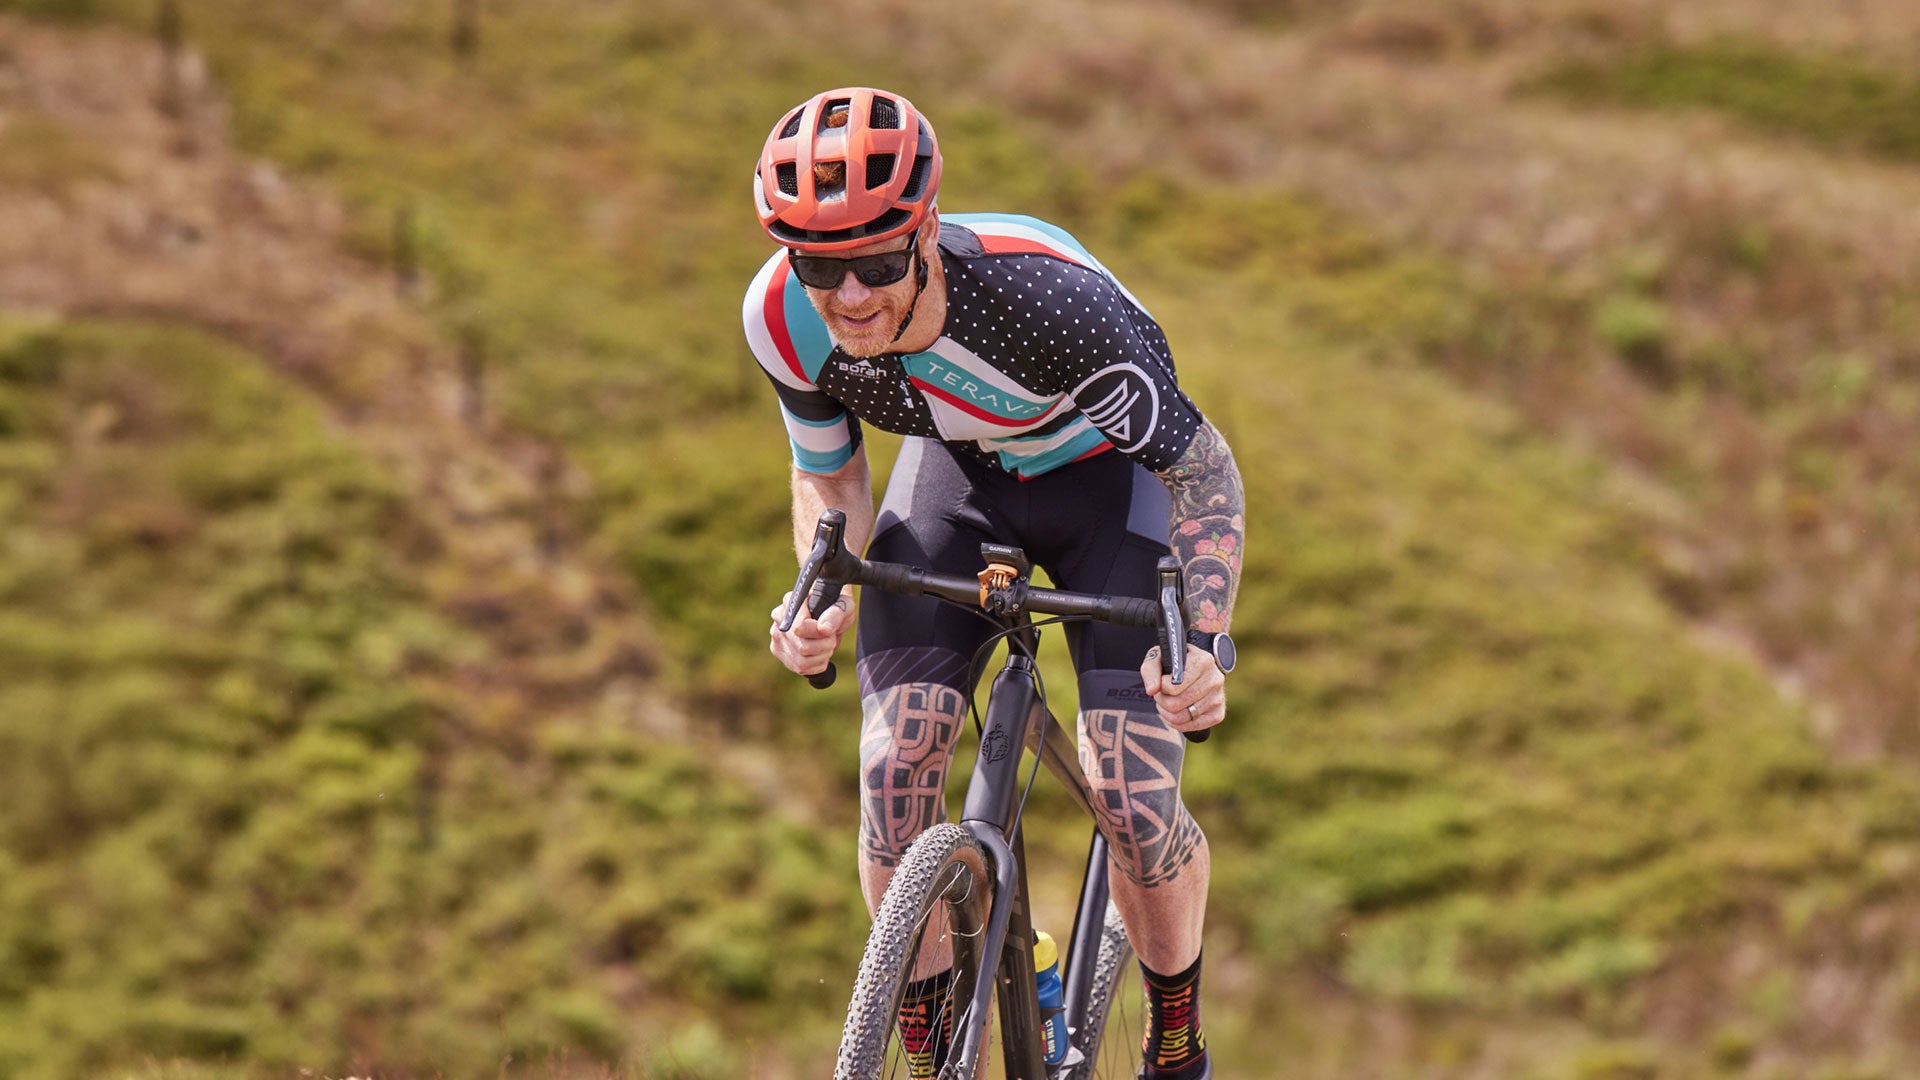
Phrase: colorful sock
(926,1024)
(1175,1048)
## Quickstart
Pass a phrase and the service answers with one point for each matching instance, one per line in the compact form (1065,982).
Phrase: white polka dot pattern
(1044,359)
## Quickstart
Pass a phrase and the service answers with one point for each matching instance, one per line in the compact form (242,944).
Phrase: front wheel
(1110,1041)
(944,882)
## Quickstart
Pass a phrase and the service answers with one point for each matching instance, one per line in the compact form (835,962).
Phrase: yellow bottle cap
(1045,952)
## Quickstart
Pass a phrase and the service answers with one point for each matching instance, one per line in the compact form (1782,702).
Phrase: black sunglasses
(873,271)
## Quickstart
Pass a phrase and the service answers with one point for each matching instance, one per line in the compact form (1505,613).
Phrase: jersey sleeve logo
(1123,403)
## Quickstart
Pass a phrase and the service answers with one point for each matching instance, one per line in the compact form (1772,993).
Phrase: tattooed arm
(1208,527)
(1209,522)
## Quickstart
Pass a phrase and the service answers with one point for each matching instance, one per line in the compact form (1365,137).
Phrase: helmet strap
(919,286)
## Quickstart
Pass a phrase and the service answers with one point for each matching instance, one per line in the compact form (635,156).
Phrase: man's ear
(930,233)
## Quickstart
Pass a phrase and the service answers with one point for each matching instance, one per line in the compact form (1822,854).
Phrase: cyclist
(1040,408)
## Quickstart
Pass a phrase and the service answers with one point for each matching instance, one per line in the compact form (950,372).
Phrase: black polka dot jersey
(1045,359)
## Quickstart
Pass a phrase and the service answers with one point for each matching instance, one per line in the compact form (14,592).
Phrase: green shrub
(1636,328)
(1828,99)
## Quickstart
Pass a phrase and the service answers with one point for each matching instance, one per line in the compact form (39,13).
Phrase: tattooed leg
(906,743)
(1158,854)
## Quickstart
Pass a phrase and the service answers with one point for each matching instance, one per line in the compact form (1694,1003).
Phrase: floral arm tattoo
(1209,526)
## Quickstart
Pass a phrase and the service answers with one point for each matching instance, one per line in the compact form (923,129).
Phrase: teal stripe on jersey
(955,381)
(820,462)
(819,445)
(811,343)
(1035,464)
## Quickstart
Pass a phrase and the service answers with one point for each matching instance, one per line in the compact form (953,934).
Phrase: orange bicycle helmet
(847,168)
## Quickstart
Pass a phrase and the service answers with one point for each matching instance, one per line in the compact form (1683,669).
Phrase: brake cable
(984,652)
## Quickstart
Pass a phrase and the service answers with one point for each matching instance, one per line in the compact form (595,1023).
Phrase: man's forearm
(850,489)
(1208,526)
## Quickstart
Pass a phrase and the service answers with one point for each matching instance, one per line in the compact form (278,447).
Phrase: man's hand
(807,648)
(1204,692)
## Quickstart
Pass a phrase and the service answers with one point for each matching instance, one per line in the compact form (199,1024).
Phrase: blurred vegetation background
(389,509)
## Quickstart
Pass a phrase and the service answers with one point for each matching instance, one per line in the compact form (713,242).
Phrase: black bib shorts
(1097,525)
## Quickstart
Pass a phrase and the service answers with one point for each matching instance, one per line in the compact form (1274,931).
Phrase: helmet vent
(912,190)
(884,115)
(888,220)
(788,234)
(829,177)
(787,175)
(792,126)
(880,170)
(836,115)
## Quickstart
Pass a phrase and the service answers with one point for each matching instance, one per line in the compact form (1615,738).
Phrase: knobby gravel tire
(945,863)
(1110,974)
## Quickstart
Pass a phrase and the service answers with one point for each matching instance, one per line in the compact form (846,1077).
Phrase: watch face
(1223,652)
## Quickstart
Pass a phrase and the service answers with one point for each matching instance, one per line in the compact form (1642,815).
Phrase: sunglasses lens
(883,269)
(874,271)
(818,272)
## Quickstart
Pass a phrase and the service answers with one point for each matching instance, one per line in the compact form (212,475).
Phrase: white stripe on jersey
(819,438)
(753,314)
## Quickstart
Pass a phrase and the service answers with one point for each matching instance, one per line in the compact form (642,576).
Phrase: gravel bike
(967,880)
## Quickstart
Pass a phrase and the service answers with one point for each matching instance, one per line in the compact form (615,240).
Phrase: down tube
(990,805)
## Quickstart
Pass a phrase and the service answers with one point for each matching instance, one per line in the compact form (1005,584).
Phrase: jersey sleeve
(1113,360)
(822,433)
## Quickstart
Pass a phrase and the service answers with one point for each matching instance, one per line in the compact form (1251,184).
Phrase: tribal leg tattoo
(905,744)
(1209,526)
(1132,760)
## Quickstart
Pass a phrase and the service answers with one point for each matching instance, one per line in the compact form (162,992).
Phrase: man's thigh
(913,652)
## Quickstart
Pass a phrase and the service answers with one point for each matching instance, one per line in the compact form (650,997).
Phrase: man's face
(864,320)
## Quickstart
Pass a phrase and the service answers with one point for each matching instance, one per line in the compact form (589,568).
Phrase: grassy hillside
(240,824)
(1486,792)
(1716,291)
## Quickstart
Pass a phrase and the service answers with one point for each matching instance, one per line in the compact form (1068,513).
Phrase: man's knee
(906,741)
(1132,762)
(1151,838)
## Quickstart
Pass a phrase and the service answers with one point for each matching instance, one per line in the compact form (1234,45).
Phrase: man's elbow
(1206,460)
(851,474)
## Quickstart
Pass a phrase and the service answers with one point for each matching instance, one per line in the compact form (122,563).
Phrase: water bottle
(1053,1004)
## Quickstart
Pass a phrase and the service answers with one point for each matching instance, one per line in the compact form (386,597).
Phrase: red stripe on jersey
(971,409)
(1020,245)
(774,310)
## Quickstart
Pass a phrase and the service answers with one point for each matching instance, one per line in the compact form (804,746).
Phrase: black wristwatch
(1220,645)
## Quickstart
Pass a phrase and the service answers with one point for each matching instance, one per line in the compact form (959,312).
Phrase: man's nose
(851,292)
